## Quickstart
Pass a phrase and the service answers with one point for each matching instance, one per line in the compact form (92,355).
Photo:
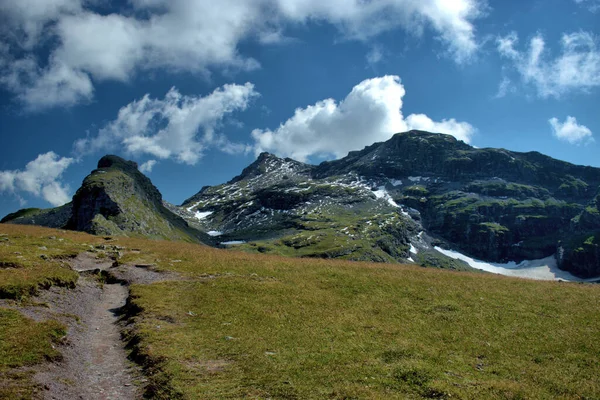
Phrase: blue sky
(193,92)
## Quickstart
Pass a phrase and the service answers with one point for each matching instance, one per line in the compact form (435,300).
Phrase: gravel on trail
(94,362)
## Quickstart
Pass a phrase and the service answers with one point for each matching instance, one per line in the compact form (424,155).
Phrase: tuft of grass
(29,262)
(24,342)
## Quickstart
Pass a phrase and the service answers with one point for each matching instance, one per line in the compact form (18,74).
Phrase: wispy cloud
(505,87)
(374,56)
(575,69)
(178,126)
(591,5)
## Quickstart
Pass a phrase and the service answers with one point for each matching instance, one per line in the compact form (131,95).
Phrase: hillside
(212,324)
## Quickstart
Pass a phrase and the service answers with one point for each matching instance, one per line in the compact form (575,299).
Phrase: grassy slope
(350,235)
(242,325)
(252,326)
(29,261)
(24,342)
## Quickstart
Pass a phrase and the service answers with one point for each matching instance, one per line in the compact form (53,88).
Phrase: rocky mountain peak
(268,163)
(117,199)
(112,161)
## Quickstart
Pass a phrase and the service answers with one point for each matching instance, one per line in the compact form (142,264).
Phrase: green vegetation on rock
(25,212)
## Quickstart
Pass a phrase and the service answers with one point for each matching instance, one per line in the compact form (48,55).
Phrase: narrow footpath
(95,364)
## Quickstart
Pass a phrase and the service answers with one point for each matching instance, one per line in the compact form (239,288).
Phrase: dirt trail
(94,364)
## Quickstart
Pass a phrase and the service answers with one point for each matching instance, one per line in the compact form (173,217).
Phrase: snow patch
(193,206)
(381,193)
(396,182)
(544,269)
(232,242)
(214,233)
(200,215)
(413,249)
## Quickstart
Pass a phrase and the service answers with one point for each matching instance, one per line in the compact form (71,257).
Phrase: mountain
(399,200)
(279,206)
(115,199)
(419,197)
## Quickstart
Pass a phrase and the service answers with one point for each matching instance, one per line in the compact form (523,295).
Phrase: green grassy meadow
(239,325)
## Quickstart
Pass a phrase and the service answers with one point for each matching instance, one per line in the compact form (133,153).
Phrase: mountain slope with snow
(418,189)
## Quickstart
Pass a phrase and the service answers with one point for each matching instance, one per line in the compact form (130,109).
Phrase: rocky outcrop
(116,199)
(267,163)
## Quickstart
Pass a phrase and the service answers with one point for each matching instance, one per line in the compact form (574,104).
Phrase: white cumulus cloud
(178,126)
(41,178)
(576,68)
(54,51)
(371,112)
(570,131)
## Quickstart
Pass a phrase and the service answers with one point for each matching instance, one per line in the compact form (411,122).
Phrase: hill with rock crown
(115,199)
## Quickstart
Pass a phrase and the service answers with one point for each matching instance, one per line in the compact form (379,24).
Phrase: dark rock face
(109,161)
(579,252)
(581,255)
(88,202)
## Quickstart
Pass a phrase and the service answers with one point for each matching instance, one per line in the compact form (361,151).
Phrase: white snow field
(544,269)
